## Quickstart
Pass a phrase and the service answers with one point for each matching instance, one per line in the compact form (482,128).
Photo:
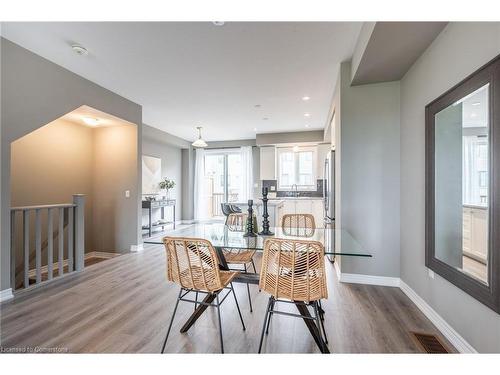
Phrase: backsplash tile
(289,193)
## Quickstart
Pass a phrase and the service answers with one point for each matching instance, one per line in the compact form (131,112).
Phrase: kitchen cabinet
(268,163)
(475,232)
(305,206)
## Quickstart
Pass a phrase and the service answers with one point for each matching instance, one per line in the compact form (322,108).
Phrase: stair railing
(70,250)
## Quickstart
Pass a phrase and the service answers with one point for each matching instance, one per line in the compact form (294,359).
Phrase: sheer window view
(296,168)
(462,150)
(222,180)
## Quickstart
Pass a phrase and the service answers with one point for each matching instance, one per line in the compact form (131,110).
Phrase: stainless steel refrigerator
(329,202)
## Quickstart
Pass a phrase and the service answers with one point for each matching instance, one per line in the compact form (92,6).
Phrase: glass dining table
(223,236)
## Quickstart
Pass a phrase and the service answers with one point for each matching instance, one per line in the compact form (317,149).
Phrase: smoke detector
(81,50)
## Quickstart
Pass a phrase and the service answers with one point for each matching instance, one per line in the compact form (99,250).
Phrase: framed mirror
(463,185)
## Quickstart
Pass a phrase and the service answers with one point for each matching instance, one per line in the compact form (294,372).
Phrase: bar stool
(293,271)
(193,264)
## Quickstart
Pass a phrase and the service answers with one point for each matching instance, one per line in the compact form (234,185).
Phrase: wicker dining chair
(193,264)
(240,257)
(293,271)
(300,225)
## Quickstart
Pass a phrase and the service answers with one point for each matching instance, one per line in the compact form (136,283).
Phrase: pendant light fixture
(200,143)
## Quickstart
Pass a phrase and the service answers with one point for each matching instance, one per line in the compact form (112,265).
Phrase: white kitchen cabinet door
(479,229)
(268,163)
(475,233)
(317,212)
(466,230)
(289,206)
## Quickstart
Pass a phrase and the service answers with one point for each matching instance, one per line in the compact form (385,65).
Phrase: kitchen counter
(258,202)
(296,198)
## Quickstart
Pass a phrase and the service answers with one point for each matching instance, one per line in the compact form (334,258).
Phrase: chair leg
(318,323)
(253,265)
(321,311)
(265,323)
(269,317)
(171,321)
(220,324)
(321,320)
(248,291)
(238,307)
(196,300)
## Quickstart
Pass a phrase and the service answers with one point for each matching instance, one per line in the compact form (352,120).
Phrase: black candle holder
(250,232)
(265,223)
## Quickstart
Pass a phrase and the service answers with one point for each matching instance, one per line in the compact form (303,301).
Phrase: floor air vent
(429,343)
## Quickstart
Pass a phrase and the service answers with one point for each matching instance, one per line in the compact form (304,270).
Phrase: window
(223,174)
(297,168)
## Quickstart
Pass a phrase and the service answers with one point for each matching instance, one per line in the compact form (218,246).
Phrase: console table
(161,204)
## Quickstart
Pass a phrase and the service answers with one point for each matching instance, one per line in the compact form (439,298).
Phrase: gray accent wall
(168,148)
(457,52)
(187,176)
(34,92)
(369,173)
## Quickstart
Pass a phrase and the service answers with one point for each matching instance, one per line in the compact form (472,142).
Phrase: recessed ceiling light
(218,23)
(307,115)
(306,98)
(91,121)
(307,125)
(257,105)
(254,129)
(476,103)
(265,118)
(81,50)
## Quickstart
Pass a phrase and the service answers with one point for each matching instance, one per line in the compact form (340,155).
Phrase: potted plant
(166,184)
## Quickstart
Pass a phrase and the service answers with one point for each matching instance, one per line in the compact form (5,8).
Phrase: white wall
(369,142)
(457,52)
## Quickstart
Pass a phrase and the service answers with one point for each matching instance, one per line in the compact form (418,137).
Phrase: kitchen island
(274,209)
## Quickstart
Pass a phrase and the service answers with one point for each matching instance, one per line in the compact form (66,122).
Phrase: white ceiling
(475,109)
(105,120)
(191,74)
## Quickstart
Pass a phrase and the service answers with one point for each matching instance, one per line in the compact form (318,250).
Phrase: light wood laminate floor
(123,305)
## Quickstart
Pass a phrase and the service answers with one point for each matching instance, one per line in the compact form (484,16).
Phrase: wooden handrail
(61,205)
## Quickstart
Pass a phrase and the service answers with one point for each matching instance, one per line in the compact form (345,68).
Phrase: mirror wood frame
(487,294)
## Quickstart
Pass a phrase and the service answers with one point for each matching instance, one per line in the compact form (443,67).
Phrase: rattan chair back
(237,221)
(192,263)
(300,225)
(293,270)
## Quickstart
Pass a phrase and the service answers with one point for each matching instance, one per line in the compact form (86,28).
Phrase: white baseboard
(137,248)
(5,295)
(337,270)
(453,336)
(354,278)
